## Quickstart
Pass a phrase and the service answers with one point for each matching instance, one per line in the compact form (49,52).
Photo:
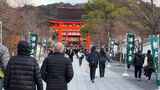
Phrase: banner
(130,48)
(154,39)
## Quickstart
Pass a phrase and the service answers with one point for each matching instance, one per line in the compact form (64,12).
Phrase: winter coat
(93,59)
(150,62)
(23,74)
(86,54)
(4,56)
(103,60)
(138,60)
(57,71)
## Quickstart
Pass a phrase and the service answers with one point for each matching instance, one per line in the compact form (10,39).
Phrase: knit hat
(24,48)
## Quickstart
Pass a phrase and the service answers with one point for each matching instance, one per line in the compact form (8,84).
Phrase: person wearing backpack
(138,63)
(102,62)
(4,58)
(93,62)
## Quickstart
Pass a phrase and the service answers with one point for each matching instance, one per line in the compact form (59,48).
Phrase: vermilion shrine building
(68,29)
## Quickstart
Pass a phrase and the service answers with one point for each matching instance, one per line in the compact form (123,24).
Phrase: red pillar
(88,41)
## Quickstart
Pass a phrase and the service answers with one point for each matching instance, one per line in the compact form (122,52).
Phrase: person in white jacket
(81,57)
(4,58)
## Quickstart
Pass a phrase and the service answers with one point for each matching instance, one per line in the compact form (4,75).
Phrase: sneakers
(92,81)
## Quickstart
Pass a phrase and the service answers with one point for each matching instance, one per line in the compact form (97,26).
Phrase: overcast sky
(15,3)
(39,2)
(157,2)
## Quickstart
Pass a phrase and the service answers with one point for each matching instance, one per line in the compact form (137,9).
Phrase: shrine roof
(65,21)
(70,13)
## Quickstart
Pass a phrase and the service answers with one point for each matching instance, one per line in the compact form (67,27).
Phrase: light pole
(1,33)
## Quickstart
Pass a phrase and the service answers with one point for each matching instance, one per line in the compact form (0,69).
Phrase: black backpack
(93,58)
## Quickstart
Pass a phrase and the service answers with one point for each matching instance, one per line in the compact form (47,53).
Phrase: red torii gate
(69,31)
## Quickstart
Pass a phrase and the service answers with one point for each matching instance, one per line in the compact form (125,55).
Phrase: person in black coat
(76,50)
(71,54)
(93,59)
(57,70)
(138,63)
(23,72)
(102,62)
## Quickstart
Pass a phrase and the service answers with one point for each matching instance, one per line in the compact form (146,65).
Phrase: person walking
(23,72)
(4,58)
(50,49)
(93,62)
(81,57)
(76,50)
(148,65)
(86,53)
(102,62)
(71,54)
(57,70)
(138,64)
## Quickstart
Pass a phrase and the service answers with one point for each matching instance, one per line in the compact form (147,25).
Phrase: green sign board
(155,42)
(33,39)
(130,48)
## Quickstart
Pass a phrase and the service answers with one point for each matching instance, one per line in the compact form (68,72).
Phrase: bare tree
(144,18)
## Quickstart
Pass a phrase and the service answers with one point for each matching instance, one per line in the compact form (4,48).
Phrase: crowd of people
(94,57)
(145,63)
(23,72)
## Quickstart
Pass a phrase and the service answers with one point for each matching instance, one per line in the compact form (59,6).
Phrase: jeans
(92,72)
(138,71)
(102,69)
